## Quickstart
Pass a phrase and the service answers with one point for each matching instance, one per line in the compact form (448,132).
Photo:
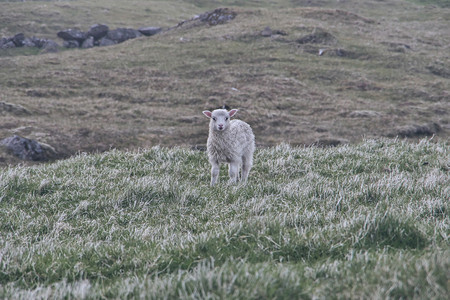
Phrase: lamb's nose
(220,126)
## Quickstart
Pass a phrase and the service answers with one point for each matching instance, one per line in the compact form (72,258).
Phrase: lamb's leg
(247,163)
(233,171)
(215,168)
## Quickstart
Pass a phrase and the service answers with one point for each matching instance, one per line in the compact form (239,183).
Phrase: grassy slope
(151,91)
(362,221)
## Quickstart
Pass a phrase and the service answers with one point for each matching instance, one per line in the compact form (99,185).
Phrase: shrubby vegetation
(362,221)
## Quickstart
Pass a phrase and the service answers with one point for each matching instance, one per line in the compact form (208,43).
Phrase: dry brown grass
(385,67)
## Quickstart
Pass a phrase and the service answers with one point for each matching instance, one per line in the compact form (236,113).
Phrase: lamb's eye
(226,119)
(214,118)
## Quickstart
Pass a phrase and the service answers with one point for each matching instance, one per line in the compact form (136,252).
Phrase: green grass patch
(352,221)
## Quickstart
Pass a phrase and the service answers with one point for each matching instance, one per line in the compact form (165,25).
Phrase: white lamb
(229,142)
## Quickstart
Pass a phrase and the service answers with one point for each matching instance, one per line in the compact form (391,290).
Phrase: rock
(88,43)
(218,16)
(72,35)
(28,42)
(120,35)
(98,31)
(71,44)
(25,148)
(149,31)
(38,42)
(50,46)
(267,32)
(3,41)
(106,42)
(9,45)
(18,39)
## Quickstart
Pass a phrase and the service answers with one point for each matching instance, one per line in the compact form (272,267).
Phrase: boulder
(18,39)
(50,46)
(106,42)
(3,41)
(24,148)
(72,35)
(88,43)
(120,35)
(38,42)
(8,45)
(71,44)
(97,31)
(149,31)
(28,42)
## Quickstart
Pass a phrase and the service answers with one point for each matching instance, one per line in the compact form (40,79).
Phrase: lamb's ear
(207,113)
(232,112)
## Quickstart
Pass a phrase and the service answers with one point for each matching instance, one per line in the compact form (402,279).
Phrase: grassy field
(384,73)
(361,221)
(125,216)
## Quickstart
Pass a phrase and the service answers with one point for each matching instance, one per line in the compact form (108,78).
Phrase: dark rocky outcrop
(20,40)
(101,35)
(27,149)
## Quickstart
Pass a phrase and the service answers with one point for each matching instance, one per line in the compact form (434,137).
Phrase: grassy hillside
(364,221)
(384,72)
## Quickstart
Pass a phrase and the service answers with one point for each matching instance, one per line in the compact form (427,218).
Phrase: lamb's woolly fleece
(231,144)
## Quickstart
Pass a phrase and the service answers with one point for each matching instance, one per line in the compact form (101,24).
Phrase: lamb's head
(220,118)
